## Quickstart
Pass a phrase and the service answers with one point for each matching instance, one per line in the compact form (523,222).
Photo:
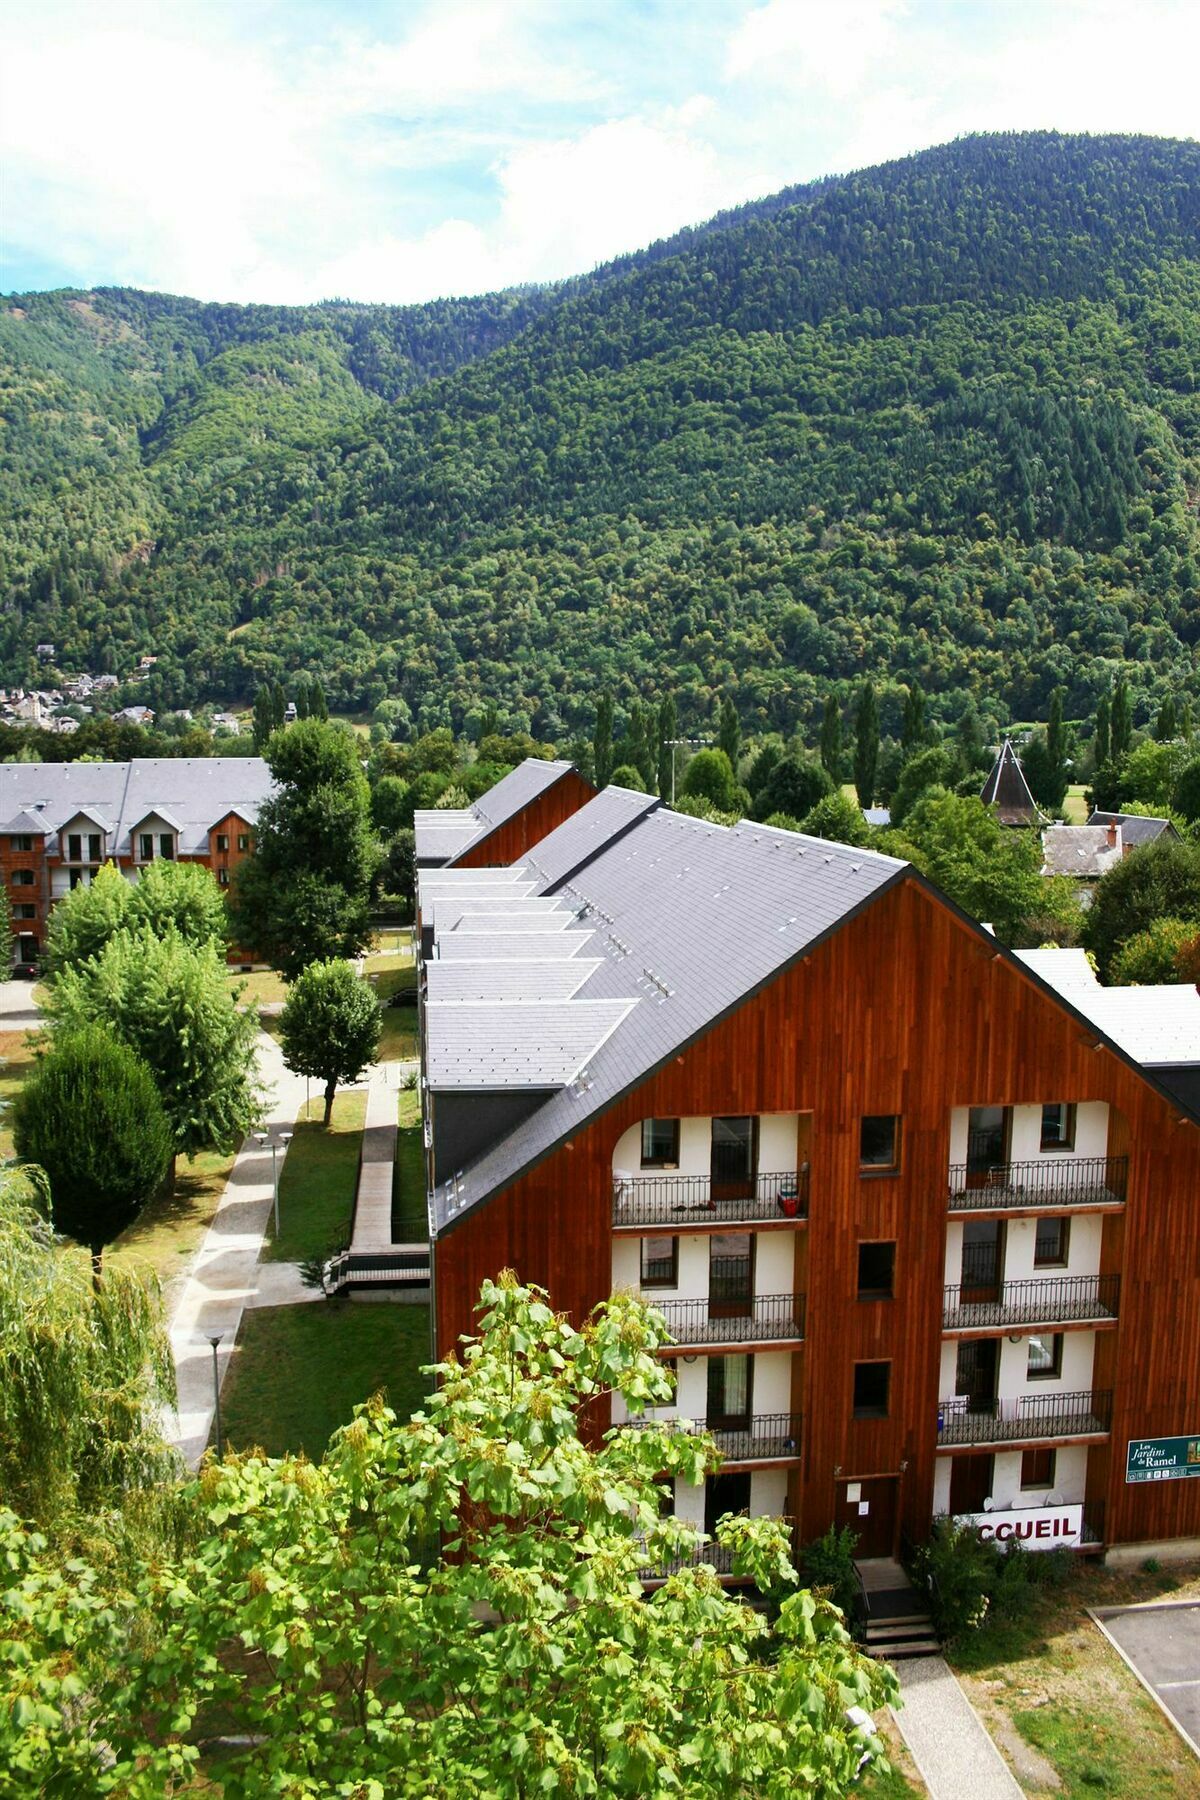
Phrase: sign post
(1162,1459)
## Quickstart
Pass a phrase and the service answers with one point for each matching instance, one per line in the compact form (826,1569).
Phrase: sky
(402,150)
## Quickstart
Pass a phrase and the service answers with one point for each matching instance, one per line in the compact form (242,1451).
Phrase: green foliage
(970,1582)
(831,738)
(1185,796)
(1152,955)
(391,807)
(84,920)
(837,818)
(178,896)
(1157,881)
(1121,719)
(626,776)
(993,874)
(709,776)
(169,1000)
(927,769)
(602,750)
(90,1116)
(400,867)
(866,744)
(795,785)
(330,1026)
(827,1564)
(303,895)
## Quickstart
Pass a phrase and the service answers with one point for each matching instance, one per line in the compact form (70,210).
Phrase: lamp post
(215,1341)
(674,744)
(264,1139)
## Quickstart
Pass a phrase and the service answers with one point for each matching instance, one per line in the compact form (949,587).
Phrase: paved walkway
(225,1276)
(18,1011)
(373,1203)
(949,1743)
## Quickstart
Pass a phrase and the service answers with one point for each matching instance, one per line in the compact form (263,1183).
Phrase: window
(222,877)
(23,845)
(74,847)
(222,843)
(1052,1244)
(24,911)
(872,1381)
(166,845)
(1037,1468)
(660,1262)
(95,846)
(146,846)
(1058,1127)
(731,1273)
(660,1143)
(879,1144)
(22,877)
(1045,1358)
(243,840)
(876,1271)
(730,1386)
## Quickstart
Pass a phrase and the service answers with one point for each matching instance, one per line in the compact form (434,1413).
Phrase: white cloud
(830,44)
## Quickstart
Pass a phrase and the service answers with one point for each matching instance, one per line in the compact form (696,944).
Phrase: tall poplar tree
(668,728)
(831,738)
(1121,729)
(602,744)
(866,744)
(729,733)
(1102,737)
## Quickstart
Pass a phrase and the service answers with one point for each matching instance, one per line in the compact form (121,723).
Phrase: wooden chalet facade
(928,1240)
(522,809)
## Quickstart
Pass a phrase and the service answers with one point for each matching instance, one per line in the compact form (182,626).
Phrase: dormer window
(166,845)
(146,846)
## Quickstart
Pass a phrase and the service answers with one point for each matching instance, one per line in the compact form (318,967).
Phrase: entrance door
(975,1376)
(27,947)
(734,1158)
(876,1527)
(725,1494)
(731,1275)
(982,1260)
(988,1136)
(970,1483)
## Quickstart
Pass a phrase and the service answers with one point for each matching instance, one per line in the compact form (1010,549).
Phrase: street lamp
(215,1341)
(263,1138)
(674,744)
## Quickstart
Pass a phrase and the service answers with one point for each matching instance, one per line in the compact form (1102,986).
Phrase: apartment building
(505,822)
(64,821)
(922,1215)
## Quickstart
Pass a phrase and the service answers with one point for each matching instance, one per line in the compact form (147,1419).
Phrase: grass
(317,1183)
(17,1054)
(261,988)
(1054,1680)
(410,1220)
(392,976)
(1075,810)
(172,1226)
(299,1371)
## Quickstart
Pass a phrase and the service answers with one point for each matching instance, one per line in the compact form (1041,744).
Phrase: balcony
(687,1203)
(768,1318)
(718,1556)
(1026,1420)
(766,1437)
(1051,1184)
(1063,1300)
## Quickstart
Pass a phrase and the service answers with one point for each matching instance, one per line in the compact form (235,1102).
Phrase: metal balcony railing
(718,1555)
(766,1317)
(1065,1300)
(687,1202)
(1022,1420)
(766,1437)
(1052,1182)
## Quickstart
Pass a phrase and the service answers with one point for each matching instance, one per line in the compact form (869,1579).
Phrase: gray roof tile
(197,791)
(515,1044)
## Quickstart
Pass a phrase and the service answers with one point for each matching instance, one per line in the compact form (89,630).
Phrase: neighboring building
(1084,852)
(134,715)
(224,721)
(922,1218)
(1007,790)
(1135,831)
(45,652)
(520,810)
(62,821)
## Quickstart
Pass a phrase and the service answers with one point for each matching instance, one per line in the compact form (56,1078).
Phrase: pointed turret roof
(1008,791)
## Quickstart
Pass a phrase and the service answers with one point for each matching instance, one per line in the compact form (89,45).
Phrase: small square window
(243,840)
(25,911)
(146,846)
(222,877)
(660,1143)
(22,877)
(166,845)
(222,842)
(876,1271)
(1037,1468)
(1045,1358)
(23,845)
(872,1382)
(1058,1126)
(660,1262)
(1052,1244)
(879,1143)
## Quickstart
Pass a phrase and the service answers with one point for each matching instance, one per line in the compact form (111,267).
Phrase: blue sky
(254,150)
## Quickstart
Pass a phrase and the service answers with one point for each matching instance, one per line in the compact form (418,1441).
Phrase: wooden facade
(907,1009)
(509,841)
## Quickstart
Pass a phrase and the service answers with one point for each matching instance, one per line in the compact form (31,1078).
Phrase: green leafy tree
(180,896)
(304,895)
(928,769)
(400,866)
(90,1115)
(391,808)
(1121,720)
(866,744)
(1152,955)
(729,732)
(1047,777)
(84,920)
(1102,737)
(969,738)
(794,786)
(330,1026)
(1186,794)
(837,818)
(993,874)
(264,719)
(913,728)
(709,776)
(602,738)
(1166,726)
(1157,881)
(303,1617)
(171,1003)
(626,776)
(831,738)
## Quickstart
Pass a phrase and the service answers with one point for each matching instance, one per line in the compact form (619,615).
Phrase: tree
(1102,738)
(1166,725)
(304,895)
(928,769)
(1057,739)
(179,895)
(1121,726)
(668,728)
(866,744)
(627,776)
(1157,881)
(352,1666)
(90,1116)
(794,786)
(1046,776)
(171,1002)
(969,737)
(831,738)
(912,730)
(330,1026)
(264,718)
(992,873)
(709,776)
(400,866)
(1152,955)
(84,920)
(602,740)
(1186,795)
(837,818)
(729,732)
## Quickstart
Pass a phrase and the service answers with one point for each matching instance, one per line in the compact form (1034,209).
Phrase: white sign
(1033,1527)
(853,1492)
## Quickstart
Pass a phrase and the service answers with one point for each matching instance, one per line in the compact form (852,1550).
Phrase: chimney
(1114,834)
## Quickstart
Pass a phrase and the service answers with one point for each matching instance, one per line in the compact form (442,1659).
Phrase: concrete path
(225,1277)
(373,1202)
(949,1743)
(18,1010)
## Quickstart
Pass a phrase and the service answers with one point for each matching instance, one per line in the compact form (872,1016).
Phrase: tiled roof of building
(443,835)
(1085,851)
(481,1046)
(1064,970)
(613,812)
(197,791)
(1134,829)
(1157,1026)
(518,979)
(1008,791)
(689,919)
(523,946)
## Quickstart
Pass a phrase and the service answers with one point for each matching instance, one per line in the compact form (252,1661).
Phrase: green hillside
(939,420)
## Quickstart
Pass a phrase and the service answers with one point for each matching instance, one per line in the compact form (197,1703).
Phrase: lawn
(299,1371)
(261,988)
(1075,808)
(16,1060)
(393,975)
(172,1226)
(410,1217)
(1053,1682)
(317,1183)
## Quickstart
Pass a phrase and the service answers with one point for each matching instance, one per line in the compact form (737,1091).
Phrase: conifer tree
(912,730)
(1166,726)
(668,728)
(1121,728)
(866,744)
(831,738)
(602,744)
(1102,737)
(729,732)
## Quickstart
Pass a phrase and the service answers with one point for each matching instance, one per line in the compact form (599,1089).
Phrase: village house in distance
(921,1214)
(63,821)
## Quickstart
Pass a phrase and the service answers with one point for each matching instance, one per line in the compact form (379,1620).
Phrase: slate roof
(613,812)
(1134,830)
(198,791)
(690,919)
(515,1044)
(516,979)
(446,911)
(441,836)
(1066,971)
(1083,851)
(1158,1026)
(1008,791)
(520,945)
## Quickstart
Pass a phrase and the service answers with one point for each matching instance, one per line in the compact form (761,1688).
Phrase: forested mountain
(936,421)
